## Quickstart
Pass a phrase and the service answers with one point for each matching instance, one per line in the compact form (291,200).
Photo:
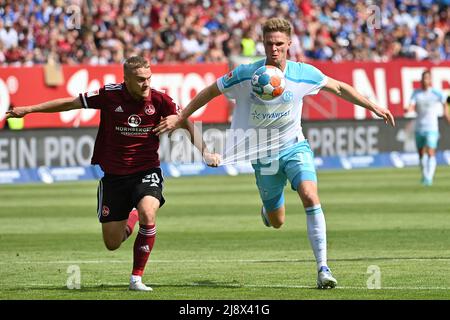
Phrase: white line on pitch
(222,261)
(232,286)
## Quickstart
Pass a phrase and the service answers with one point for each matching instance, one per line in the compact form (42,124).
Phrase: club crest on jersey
(134,120)
(105,211)
(149,110)
(288,96)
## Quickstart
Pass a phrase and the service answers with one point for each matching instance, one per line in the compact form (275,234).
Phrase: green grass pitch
(211,243)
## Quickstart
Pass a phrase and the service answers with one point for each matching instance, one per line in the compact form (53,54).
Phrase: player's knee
(308,193)
(277,224)
(112,245)
(148,207)
(147,217)
(308,196)
(277,218)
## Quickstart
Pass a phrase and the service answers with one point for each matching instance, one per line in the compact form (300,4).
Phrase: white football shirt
(259,128)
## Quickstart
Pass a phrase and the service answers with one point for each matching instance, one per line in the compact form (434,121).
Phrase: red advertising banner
(26,86)
(389,84)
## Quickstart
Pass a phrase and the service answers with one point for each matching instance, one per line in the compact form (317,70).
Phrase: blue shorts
(427,139)
(295,164)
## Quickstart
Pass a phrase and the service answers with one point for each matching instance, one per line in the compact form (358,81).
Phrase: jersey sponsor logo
(105,211)
(256,115)
(149,110)
(134,132)
(270,115)
(119,109)
(134,120)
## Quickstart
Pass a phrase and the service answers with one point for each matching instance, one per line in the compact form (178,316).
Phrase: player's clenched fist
(212,159)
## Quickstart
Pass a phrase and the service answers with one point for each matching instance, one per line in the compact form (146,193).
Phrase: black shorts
(118,195)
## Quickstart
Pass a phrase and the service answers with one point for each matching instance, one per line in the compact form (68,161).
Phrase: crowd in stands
(99,32)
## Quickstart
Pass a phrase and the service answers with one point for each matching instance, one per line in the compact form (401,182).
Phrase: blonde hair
(135,62)
(277,24)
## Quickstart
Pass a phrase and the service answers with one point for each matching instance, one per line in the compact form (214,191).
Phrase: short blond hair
(277,24)
(135,62)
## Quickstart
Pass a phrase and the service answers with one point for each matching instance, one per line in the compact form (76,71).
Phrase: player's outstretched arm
(175,121)
(57,105)
(347,92)
(211,159)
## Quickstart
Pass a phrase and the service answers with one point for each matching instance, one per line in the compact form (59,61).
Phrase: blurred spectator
(8,35)
(193,31)
(248,44)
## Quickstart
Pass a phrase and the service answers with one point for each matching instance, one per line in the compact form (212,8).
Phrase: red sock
(142,248)
(132,219)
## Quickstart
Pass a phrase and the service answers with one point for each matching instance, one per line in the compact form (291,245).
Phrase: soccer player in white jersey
(295,158)
(428,104)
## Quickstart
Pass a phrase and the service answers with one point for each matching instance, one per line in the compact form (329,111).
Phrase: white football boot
(325,279)
(137,285)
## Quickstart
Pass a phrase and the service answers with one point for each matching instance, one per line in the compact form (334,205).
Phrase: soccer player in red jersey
(126,149)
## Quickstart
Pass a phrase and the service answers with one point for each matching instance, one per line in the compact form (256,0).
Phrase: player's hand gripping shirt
(125,142)
(260,129)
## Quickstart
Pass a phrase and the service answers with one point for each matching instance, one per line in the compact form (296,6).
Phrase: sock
(134,278)
(423,165)
(143,245)
(132,219)
(316,227)
(431,168)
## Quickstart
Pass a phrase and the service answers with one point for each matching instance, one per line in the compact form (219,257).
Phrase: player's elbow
(335,87)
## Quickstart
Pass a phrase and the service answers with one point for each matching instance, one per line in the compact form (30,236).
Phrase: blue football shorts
(296,164)
(427,139)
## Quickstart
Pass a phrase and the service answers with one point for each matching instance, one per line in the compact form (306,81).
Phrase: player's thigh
(307,190)
(298,164)
(431,141)
(147,195)
(114,198)
(270,186)
(421,140)
(300,170)
(147,208)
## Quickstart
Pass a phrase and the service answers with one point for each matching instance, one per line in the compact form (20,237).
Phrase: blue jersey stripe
(302,80)
(234,82)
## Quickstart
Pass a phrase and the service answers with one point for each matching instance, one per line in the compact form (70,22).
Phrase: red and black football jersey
(125,143)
